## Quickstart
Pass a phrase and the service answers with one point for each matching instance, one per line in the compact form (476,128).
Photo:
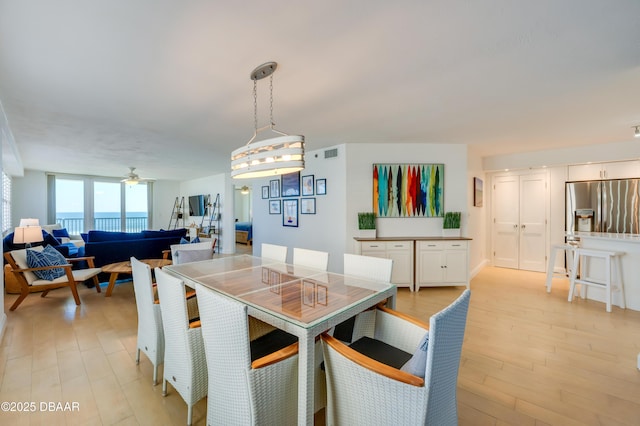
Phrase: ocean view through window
(103,221)
(84,203)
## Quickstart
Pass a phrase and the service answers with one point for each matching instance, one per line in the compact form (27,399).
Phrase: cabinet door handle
(431,245)
(455,245)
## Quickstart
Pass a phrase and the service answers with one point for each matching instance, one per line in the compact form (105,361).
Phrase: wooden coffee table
(125,268)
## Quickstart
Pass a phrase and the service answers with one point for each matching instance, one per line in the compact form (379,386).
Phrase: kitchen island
(630,245)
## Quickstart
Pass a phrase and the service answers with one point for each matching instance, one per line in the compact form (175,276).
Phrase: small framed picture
(291,184)
(477,192)
(321,187)
(322,294)
(309,293)
(274,188)
(274,207)
(265,192)
(307,185)
(307,206)
(290,213)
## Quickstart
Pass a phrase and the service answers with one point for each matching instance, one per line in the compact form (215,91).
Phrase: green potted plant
(367,224)
(451,224)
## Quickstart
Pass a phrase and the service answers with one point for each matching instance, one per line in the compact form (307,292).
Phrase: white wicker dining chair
(394,396)
(150,333)
(274,252)
(193,252)
(374,268)
(185,366)
(311,258)
(244,391)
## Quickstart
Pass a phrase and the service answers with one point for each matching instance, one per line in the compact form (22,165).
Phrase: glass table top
(301,295)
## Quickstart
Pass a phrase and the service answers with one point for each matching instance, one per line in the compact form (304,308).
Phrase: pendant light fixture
(637,132)
(268,157)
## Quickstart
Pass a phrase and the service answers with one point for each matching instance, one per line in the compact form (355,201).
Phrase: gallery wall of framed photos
(292,195)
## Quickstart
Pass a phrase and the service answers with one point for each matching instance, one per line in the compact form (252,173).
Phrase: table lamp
(29,231)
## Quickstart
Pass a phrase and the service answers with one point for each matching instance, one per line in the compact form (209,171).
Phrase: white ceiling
(94,87)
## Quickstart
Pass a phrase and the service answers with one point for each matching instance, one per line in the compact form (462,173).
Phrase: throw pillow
(61,233)
(418,362)
(185,241)
(47,257)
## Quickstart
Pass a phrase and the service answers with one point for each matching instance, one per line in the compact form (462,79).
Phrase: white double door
(519,228)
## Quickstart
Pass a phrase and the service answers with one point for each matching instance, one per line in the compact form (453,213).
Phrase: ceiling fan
(133,178)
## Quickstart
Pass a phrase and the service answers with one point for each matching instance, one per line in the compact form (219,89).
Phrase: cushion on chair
(418,362)
(381,352)
(47,257)
(271,342)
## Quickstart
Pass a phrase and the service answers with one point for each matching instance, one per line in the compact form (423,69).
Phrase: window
(83,203)
(6,203)
(69,196)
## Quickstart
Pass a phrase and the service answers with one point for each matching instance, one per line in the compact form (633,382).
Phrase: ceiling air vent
(331,153)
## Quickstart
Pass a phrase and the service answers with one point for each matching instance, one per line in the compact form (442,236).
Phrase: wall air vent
(331,153)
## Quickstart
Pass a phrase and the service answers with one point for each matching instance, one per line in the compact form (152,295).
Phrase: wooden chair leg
(24,292)
(44,293)
(97,284)
(74,290)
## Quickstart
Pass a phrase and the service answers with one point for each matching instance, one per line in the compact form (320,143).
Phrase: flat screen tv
(196,205)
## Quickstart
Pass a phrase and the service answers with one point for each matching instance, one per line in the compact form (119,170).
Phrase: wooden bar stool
(611,263)
(567,249)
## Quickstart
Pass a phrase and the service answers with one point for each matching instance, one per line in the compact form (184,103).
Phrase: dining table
(300,300)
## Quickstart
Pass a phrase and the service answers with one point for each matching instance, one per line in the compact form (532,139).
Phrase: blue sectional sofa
(111,247)
(67,249)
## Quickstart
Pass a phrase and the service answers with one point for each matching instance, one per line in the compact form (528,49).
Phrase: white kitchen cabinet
(401,252)
(613,170)
(442,263)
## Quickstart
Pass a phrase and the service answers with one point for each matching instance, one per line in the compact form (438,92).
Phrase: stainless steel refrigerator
(603,206)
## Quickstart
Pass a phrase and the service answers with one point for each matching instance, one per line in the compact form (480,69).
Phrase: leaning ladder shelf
(213,215)
(177,214)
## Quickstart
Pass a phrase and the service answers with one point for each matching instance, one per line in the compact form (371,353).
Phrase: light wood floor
(529,358)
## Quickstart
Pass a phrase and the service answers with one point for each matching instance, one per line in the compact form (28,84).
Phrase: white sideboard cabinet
(401,252)
(422,261)
(442,263)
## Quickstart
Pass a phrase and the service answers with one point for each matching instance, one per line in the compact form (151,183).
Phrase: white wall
(360,160)
(349,191)
(29,196)
(164,196)
(324,231)
(216,184)
(477,217)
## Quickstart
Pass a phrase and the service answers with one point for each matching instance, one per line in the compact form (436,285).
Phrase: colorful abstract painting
(408,190)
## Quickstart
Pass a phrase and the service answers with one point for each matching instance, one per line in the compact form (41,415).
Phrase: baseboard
(475,271)
(3,325)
